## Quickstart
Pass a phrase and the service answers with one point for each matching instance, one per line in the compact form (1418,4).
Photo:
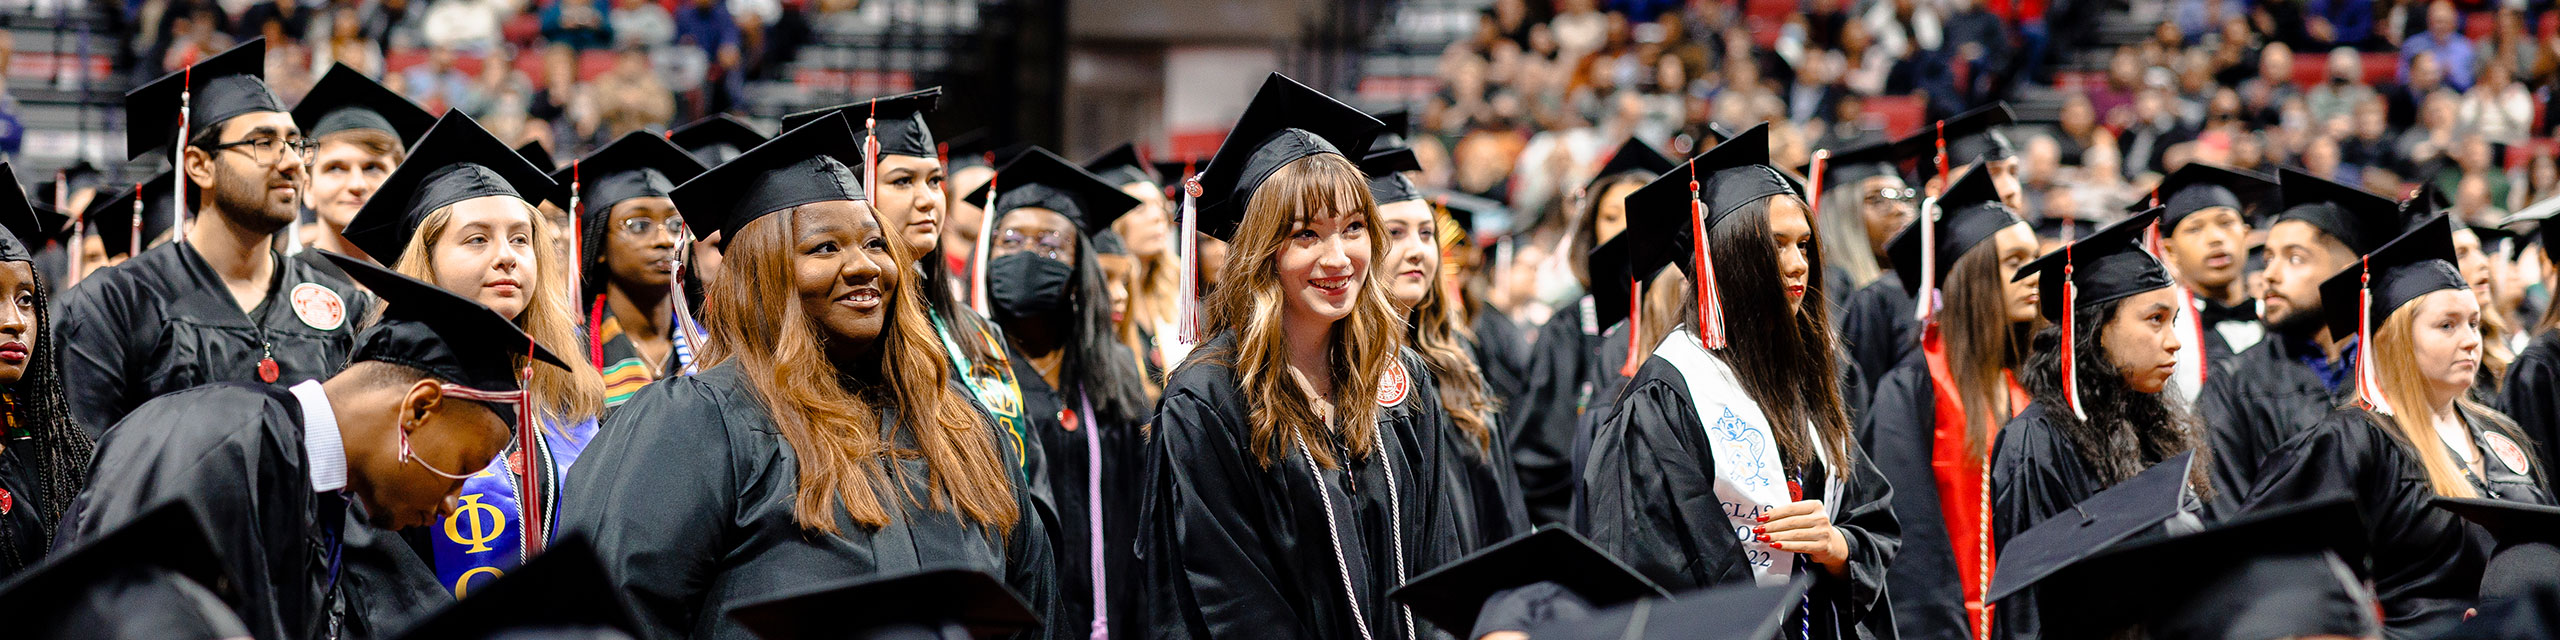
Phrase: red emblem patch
(2508,453)
(6,501)
(1394,385)
(319,307)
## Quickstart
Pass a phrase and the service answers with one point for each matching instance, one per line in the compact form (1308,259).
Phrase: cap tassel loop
(978,256)
(1710,309)
(577,231)
(177,163)
(537,528)
(1187,326)
(136,238)
(1926,307)
(1635,327)
(1942,157)
(2368,382)
(2070,351)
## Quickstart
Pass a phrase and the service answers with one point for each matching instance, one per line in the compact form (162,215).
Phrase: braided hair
(57,448)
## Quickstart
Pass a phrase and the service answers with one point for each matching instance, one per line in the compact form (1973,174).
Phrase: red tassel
(1813,195)
(1710,309)
(1635,327)
(536,525)
(1942,157)
(2070,364)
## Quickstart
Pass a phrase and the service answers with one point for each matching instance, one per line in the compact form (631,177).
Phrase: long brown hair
(2396,369)
(566,396)
(752,313)
(1442,341)
(2127,430)
(1981,342)
(1790,364)
(1250,303)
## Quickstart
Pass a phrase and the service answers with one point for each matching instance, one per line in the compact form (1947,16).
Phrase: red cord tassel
(2070,364)
(1710,310)
(1635,327)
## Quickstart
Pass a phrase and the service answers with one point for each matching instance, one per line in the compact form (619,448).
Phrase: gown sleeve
(2532,398)
(1650,500)
(96,344)
(1867,522)
(1538,426)
(655,492)
(1207,573)
(2235,453)
(1030,562)
(2425,561)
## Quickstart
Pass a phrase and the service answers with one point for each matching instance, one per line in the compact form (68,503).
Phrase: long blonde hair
(567,395)
(2396,369)
(1250,303)
(1437,334)
(752,312)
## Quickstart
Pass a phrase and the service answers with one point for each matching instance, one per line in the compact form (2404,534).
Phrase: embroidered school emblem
(319,307)
(1394,385)
(2508,453)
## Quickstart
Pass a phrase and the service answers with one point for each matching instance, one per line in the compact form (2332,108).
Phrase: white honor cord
(1395,532)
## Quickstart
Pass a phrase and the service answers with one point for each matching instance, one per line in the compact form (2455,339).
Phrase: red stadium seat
(1899,115)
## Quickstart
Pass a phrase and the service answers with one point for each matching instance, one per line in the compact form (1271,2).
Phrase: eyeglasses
(268,149)
(1891,196)
(642,226)
(1049,244)
(411,455)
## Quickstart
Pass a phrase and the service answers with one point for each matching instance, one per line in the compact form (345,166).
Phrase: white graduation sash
(1751,475)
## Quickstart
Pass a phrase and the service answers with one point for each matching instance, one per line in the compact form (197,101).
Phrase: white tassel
(1187,324)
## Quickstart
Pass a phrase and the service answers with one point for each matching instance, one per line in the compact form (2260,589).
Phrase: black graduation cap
(1285,122)
(2510,522)
(111,215)
(1122,167)
(2357,218)
(716,139)
(1108,243)
(1617,289)
(155,576)
(2065,225)
(1467,210)
(899,121)
(1844,170)
(1970,137)
(450,337)
(1175,171)
(2526,534)
(2415,264)
(80,175)
(1722,180)
(2528,616)
(637,165)
(2108,517)
(979,147)
(213,91)
(346,99)
(1386,160)
(537,156)
(950,604)
(1966,215)
(1450,596)
(2533,222)
(1737,612)
(2106,265)
(29,225)
(813,163)
(456,161)
(2274,573)
(1038,178)
(566,589)
(1633,157)
(2199,186)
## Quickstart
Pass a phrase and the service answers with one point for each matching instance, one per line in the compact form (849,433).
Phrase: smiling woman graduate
(825,437)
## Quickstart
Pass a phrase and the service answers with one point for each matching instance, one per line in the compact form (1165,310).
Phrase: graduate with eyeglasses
(633,277)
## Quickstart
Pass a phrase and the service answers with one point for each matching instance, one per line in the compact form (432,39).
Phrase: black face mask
(1028,286)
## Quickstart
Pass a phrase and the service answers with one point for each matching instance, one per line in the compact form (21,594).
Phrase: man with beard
(219,305)
(2288,381)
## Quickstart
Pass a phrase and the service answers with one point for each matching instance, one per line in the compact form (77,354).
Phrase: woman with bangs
(2412,434)
(1277,503)
(1729,459)
(825,438)
(458,218)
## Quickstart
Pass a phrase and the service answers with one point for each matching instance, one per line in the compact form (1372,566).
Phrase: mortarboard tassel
(871,154)
(1187,325)
(528,445)
(1635,327)
(577,235)
(1710,307)
(1927,305)
(2368,382)
(136,238)
(1813,188)
(2070,354)
(1942,157)
(978,258)
(177,163)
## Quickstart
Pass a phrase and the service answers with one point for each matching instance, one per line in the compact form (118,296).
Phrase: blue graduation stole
(484,538)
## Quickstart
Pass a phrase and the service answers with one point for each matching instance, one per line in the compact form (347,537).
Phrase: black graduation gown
(687,492)
(236,452)
(1539,424)
(1058,472)
(1876,327)
(322,265)
(2532,396)
(1501,351)
(163,322)
(2426,562)
(22,531)
(1899,434)
(2256,401)
(2036,472)
(1234,548)
(1648,497)
(1482,502)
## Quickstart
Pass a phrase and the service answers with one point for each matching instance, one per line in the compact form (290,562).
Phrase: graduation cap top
(1467,210)
(813,163)
(534,154)
(2535,220)
(456,161)
(637,165)
(1121,166)
(1967,215)
(1847,168)
(2525,533)
(155,576)
(566,588)
(29,226)
(2357,218)
(1633,158)
(898,121)
(2110,516)
(716,139)
(450,337)
(2199,186)
(345,99)
(1709,189)
(1617,288)
(1387,182)
(2415,264)
(112,212)
(1972,136)
(1285,122)
(1452,595)
(2107,265)
(1041,179)
(2280,572)
(214,90)
(948,602)
(1739,612)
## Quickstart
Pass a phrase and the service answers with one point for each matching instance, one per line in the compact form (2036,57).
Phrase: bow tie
(2215,313)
